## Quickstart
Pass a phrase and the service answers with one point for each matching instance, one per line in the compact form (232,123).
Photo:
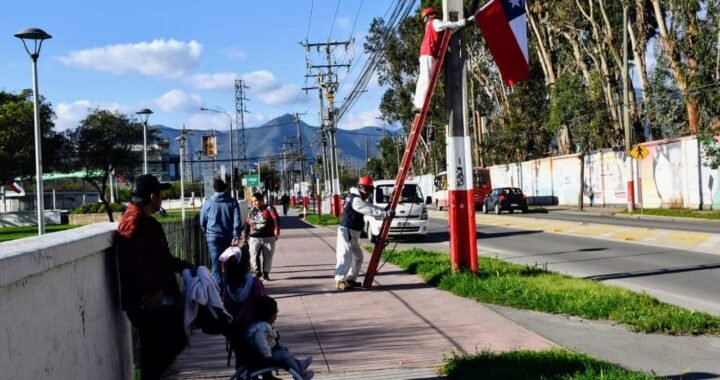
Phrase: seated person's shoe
(309,374)
(304,364)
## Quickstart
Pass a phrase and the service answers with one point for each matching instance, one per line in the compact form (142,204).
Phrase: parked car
(411,216)
(505,199)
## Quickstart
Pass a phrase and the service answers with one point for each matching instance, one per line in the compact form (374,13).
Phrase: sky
(175,57)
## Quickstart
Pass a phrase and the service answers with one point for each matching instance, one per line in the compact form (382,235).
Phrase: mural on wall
(667,177)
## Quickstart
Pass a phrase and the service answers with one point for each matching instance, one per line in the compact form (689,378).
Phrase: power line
(332,25)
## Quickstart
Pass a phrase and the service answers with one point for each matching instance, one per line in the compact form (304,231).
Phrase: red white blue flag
(14,186)
(504,27)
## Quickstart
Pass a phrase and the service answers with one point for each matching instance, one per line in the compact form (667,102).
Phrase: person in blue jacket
(220,221)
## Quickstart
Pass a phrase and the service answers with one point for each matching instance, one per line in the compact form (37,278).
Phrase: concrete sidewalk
(400,329)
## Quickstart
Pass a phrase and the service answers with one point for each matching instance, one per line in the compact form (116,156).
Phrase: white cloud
(261,80)
(282,96)
(343,23)
(354,120)
(208,121)
(166,58)
(178,101)
(213,82)
(235,53)
(69,115)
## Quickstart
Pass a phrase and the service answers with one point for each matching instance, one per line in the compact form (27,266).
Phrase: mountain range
(265,143)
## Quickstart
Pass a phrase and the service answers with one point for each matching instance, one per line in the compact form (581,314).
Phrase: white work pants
(349,254)
(423,82)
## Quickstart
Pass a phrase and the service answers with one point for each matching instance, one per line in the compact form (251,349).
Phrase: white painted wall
(672,175)
(60,314)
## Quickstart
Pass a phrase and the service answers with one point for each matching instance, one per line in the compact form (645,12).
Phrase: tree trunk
(101,191)
(543,51)
(581,193)
(572,40)
(669,46)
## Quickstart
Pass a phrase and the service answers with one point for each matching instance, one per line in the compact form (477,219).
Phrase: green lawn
(531,365)
(12,233)
(323,220)
(680,213)
(532,288)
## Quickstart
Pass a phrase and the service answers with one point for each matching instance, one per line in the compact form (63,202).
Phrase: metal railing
(187,241)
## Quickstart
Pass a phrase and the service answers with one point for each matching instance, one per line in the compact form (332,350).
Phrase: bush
(97,208)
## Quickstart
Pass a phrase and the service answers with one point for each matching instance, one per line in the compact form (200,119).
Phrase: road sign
(639,152)
(252,180)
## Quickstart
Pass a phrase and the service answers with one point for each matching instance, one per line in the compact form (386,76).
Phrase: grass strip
(680,213)
(322,220)
(526,287)
(551,364)
(12,233)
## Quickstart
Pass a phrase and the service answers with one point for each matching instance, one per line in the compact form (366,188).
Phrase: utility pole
(323,136)
(240,111)
(302,162)
(327,81)
(626,121)
(461,210)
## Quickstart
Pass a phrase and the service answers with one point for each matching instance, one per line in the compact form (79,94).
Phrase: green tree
(17,137)
(104,143)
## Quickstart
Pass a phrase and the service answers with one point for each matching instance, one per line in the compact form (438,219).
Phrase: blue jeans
(216,246)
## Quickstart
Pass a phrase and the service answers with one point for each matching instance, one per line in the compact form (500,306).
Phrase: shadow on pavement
(481,235)
(693,376)
(293,222)
(657,272)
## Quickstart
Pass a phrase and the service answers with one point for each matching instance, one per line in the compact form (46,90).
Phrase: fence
(187,241)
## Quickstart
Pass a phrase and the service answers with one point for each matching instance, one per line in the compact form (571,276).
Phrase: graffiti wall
(671,175)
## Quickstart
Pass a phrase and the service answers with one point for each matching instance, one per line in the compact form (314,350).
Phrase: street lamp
(144,116)
(232,151)
(37,36)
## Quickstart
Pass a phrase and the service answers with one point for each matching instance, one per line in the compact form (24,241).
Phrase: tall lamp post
(37,36)
(144,116)
(232,150)
(259,177)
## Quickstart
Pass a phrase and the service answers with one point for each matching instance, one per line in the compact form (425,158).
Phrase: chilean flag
(503,24)
(14,186)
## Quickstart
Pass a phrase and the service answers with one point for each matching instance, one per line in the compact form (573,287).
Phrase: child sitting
(263,337)
(242,289)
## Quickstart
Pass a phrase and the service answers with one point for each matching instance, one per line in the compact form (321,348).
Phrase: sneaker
(309,374)
(304,364)
(340,285)
(266,276)
(353,284)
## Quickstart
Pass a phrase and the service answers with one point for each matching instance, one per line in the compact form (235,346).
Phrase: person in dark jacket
(262,229)
(149,291)
(220,221)
(348,252)
(285,200)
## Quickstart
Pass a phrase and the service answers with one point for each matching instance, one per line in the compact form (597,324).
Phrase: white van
(411,216)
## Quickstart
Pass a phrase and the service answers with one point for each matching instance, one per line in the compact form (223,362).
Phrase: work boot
(340,285)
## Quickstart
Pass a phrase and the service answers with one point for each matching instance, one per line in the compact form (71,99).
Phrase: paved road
(676,276)
(677,224)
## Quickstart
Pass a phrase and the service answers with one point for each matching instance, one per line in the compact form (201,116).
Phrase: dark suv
(505,198)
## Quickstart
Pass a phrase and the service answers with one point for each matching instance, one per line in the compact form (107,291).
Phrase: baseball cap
(147,184)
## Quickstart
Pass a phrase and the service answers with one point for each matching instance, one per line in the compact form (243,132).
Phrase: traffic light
(235,174)
(431,134)
(318,160)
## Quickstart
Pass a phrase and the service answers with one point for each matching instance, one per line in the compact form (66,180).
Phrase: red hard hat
(429,11)
(366,181)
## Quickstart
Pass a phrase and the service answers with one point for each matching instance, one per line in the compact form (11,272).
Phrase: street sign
(639,152)
(252,180)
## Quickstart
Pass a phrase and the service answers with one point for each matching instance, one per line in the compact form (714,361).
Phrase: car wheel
(437,206)
(524,210)
(497,209)
(512,211)
(485,208)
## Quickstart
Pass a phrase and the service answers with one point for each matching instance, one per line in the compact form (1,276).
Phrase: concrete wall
(59,308)
(83,219)
(29,218)
(672,175)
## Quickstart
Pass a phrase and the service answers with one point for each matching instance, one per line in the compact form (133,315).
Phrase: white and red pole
(461,205)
